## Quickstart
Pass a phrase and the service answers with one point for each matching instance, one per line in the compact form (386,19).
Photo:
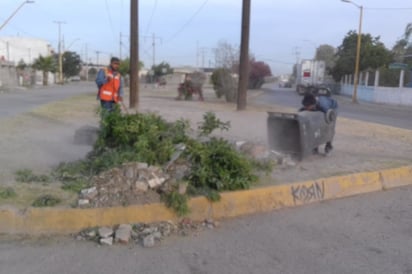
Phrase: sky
(187,31)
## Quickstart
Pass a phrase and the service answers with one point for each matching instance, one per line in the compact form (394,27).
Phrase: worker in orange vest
(110,85)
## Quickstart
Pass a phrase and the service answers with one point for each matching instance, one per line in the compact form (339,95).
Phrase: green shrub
(217,165)
(75,186)
(7,193)
(224,84)
(27,176)
(210,123)
(177,202)
(46,200)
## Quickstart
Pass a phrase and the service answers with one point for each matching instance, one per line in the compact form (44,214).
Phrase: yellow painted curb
(232,204)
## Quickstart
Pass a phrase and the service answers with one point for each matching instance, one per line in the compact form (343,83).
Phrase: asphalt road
(376,113)
(20,101)
(363,234)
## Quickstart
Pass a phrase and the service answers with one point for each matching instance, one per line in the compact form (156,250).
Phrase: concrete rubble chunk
(83,202)
(123,233)
(140,165)
(156,181)
(89,193)
(106,241)
(182,188)
(239,144)
(157,235)
(255,151)
(129,172)
(149,241)
(141,186)
(105,232)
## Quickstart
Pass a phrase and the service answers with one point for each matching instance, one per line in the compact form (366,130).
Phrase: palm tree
(408,31)
(403,45)
(46,64)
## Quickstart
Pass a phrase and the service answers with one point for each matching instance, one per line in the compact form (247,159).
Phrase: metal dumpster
(297,134)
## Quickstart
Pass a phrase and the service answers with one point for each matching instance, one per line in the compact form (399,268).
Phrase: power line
(150,19)
(188,22)
(110,18)
(388,8)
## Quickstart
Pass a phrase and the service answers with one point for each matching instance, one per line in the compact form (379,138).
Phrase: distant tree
(326,53)
(161,69)
(21,65)
(224,84)
(258,70)
(72,64)
(403,48)
(125,66)
(373,55)
(226,55)
(45,64)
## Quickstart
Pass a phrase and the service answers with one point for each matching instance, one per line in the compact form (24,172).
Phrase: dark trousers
(108,105)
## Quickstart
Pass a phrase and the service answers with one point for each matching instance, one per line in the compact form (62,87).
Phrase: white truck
(309,74)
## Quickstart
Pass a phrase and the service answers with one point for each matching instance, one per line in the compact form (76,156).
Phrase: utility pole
(197,54)
(244,57)
(154,38)
(134,54)
(8,51)
(154,47)
(86,53)
(59,23)
(202,52)
(97,57)
(120,46)
(297,53)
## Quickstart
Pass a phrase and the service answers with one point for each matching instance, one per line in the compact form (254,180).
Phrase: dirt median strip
(34,221)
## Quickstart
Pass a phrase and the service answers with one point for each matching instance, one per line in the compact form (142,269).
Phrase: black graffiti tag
(305,194)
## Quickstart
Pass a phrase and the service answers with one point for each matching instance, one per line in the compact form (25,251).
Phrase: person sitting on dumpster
(320,103)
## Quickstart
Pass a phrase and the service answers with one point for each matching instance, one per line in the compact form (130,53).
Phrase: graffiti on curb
(306,194)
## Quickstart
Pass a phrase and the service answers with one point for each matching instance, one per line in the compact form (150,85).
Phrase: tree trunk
(45,78)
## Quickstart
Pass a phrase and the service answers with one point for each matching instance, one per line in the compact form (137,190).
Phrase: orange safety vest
(110,90)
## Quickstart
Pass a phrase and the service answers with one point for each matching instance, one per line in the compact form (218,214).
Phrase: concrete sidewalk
(367,157)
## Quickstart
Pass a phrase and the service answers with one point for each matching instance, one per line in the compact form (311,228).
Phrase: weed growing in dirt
(210,123)
(27,176)
(265,166)
(46,200)
(177,202)
(7,193)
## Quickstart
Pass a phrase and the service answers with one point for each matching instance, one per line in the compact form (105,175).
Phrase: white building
(18,48)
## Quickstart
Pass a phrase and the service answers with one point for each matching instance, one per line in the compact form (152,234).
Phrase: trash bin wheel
(330,116)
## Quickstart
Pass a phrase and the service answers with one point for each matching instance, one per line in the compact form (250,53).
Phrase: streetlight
(59,23)
(358,46)
(71,44)
(14,13)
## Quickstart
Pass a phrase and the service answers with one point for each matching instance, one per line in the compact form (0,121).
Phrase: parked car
(74,78)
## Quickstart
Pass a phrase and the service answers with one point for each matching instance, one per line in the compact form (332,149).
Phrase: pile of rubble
(131,183)
(147,235)
(139,183)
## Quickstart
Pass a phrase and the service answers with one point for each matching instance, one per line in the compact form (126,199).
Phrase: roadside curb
(60,221)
